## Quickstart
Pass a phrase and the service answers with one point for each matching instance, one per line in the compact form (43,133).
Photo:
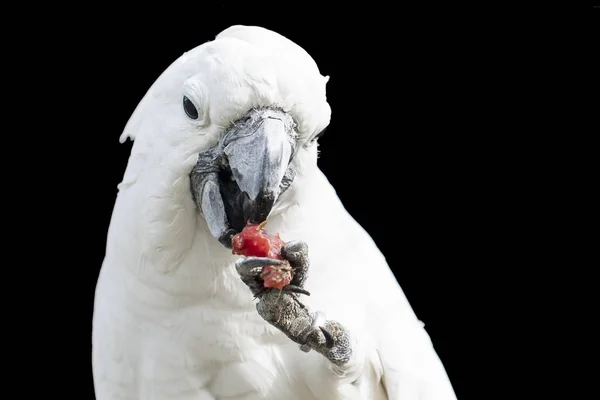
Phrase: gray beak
(258,156)
(240,179)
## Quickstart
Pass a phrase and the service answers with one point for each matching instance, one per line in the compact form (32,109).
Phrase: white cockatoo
(226,136)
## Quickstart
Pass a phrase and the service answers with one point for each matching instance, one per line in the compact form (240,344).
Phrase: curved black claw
(296,289)
(329,341)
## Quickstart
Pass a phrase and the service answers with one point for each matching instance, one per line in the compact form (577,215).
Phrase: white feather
(172,319)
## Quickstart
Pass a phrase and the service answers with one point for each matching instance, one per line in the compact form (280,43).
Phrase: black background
(407,107)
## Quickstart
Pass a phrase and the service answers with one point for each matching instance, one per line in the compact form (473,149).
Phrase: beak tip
(226,238)
(261,207)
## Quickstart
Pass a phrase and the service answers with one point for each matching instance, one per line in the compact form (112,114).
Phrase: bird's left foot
(284,309)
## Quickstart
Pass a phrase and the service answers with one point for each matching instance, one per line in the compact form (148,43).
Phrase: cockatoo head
(240,116)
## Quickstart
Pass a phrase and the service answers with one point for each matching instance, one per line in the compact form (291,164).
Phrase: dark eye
(189,108)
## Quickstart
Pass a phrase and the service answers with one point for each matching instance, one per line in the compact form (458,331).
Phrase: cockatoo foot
(284,310)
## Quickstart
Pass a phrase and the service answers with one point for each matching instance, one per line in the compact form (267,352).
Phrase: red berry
(252,241)
(277,276)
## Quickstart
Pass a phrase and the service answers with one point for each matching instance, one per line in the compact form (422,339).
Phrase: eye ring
(190,109)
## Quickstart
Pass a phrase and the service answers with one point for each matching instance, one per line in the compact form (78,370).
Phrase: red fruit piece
(252,241)
(277,276)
